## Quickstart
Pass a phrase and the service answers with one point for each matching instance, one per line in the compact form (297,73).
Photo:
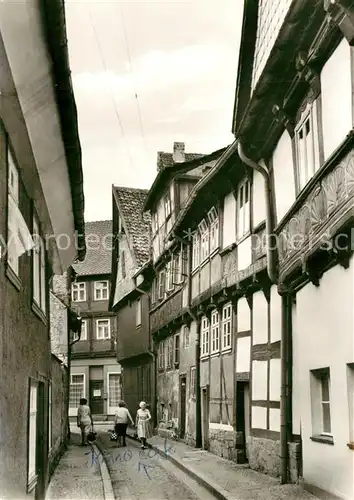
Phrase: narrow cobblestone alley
(138,474)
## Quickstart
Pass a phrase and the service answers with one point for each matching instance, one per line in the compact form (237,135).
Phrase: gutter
(286,311)
(53,16)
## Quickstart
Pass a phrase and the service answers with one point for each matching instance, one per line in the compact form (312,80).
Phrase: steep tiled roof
(165,160)
(130,206)
(99,246)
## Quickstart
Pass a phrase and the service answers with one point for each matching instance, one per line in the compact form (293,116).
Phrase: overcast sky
(178,57)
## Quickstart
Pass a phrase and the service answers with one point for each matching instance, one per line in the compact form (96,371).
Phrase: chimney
(159,161)
(178,152)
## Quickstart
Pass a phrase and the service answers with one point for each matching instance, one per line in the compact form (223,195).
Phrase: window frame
(167,205)
(226,322)
(39,278)
(100,289)
(243,209)
(170,353)
(98,320)
(138,312)
(215,332)
(205,337)
(195,250)
(192,382)
(83,395)
(161,355)
(176,349)
(327,403)
(302,171)
(214,230)
(169,276)
(319,431)
(13,260)
(76,284)
(83,329)
(204,233)
(161,284)
(32,415)
(186,344)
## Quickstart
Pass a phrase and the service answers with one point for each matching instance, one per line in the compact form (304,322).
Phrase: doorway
(243,415)
(41,440)
(96,397)
(183,396)
(205,418)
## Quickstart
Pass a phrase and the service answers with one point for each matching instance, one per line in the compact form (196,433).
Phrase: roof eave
(53,13)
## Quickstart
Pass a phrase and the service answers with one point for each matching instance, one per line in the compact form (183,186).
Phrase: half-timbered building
(170,321)
(293,120)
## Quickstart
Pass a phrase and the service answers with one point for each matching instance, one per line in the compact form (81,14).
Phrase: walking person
(84,420)
(121,421)
(143,417)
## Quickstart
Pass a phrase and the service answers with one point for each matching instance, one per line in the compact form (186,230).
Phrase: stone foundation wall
(227,444)
(264,456)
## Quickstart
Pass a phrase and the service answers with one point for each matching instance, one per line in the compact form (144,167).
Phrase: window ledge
(242,238)
(214,252)
(138,327)
(322,439)
(204,357)
(227,249)
(38,312)
(12,276)
(215,354)
(32,483)
(226,350)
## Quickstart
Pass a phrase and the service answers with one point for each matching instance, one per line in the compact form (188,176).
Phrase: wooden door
(183,395)
(205,418)
(96,397)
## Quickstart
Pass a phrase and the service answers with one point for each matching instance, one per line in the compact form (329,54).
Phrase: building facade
(94,372)
(170,314)
(130,296)
(32,197)
(306,159)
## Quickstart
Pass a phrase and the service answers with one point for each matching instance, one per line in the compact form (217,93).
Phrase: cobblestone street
(138,474)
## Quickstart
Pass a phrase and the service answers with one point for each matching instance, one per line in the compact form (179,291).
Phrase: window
(169,276)
(77,389)
(19,239)
(32,432)
(167,203)
(39,278)
(122,258)
(192,382)
(215,332)
(153,291)
(196,250)
(305,140)
(50,416)
(186,335)
(114,390)
(243,203)
(161,355)
(214,229)
(13,204)
(83,335)
(205,336)
(78,292)
(177,268)
(103,329)
(204,240)
(176,357)
(138,312)
(321,402)
(226,326)
(154,223)
(101,290)
(169,352)
(161,285)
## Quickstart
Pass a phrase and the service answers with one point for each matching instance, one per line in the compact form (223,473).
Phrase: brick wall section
(59,412)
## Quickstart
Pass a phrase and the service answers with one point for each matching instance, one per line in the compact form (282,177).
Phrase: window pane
(114,389)
(325,388)
(326,415)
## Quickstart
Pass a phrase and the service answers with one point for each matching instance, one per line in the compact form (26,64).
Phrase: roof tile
(99,244)
(131,202)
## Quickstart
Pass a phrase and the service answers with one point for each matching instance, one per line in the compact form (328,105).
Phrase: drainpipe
(198,409)
(271,250)
(286,318)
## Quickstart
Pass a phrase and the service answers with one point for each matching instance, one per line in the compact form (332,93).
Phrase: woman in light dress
(143,418)
(84,420)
